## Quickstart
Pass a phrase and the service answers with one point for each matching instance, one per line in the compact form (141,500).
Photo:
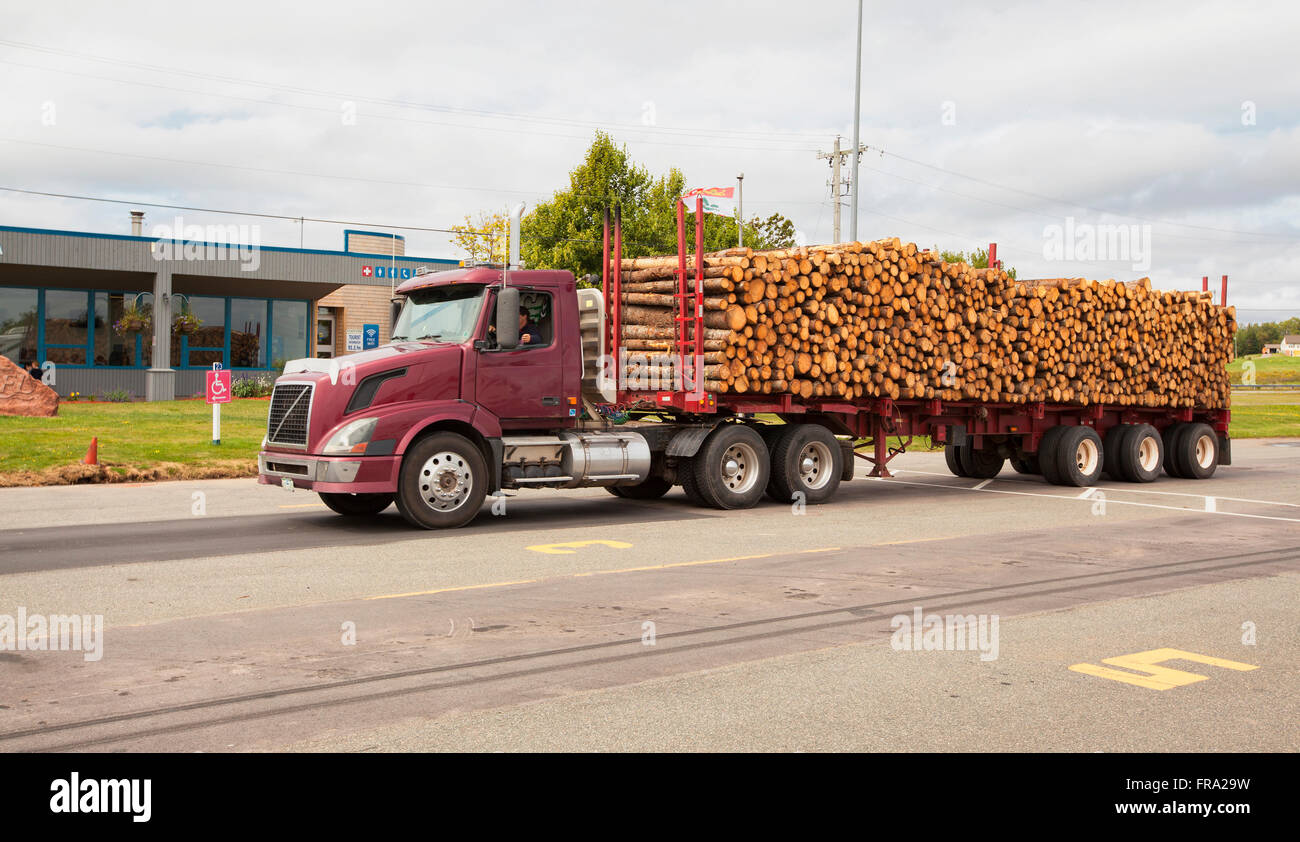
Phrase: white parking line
(1081,497)
(1126,490)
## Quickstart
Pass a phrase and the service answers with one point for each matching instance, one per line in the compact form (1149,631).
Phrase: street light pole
(857,111)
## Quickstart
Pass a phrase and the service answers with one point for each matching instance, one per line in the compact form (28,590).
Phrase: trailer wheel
(1170,437)
(442,482)
(731,468)
(1140,454)
(651,488)
(806,459)
(1198,452)
(1111,465)
(1047,453)
(356,505)
(1079,456)
(980,464)
(952,455)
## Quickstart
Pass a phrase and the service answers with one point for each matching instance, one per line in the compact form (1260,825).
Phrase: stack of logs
(882,319)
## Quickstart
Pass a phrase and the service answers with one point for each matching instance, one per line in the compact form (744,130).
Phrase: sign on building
(354,341)
(370,336)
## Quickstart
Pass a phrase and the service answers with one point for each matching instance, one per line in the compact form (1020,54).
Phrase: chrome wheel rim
(740,468)
(815,464)
(445,481)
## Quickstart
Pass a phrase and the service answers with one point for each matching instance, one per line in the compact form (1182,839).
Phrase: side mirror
(508,318)
(394,313)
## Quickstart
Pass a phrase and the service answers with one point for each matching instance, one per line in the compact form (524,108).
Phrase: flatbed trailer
(462,403)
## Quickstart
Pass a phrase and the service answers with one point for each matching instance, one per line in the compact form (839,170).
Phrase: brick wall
(357,305)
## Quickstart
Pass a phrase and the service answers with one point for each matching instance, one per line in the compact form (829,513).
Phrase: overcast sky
(1006,122)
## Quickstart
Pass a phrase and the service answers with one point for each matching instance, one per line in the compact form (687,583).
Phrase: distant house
(1270,350)
(1290,345)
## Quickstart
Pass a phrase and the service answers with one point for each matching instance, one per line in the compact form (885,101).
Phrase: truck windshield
(447,314)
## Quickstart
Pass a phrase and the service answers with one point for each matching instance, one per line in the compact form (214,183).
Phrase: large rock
(22,394)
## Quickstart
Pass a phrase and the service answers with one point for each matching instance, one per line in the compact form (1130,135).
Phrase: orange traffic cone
(92,453)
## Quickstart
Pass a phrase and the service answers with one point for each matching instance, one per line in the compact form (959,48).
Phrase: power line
(257,214)
(1060,201)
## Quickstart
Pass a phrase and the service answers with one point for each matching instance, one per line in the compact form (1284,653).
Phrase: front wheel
(442,483)
(356,505)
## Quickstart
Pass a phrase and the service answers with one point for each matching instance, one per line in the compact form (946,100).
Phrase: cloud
(1107,113)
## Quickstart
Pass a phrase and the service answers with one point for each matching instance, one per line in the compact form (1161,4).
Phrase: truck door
(524,387)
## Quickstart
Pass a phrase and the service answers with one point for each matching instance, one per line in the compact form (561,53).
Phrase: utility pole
(740,210)
(857,113)
(837,158)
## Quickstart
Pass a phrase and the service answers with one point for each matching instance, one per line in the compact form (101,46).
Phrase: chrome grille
(290,412)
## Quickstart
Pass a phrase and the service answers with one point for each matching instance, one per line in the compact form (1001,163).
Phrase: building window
(248,332)
(207,344)
(289,326)
(67,326)
(18,333)
(111,347)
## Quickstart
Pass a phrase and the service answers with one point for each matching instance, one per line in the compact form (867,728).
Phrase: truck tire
(1114,444)
(356,505)
(1198,452)
(686,473)
(442,482)
(979,464)
(651,488)
(805,459)
(731,469)
(1170,438)
(952,455)
(1079,457)
(1047,453)
(1140,454)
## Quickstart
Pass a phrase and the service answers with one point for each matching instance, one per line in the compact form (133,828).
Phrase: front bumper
(331,474)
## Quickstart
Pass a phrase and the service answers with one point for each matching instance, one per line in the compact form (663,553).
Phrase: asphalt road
(244,617)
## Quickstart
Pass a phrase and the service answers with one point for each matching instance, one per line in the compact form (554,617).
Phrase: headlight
(352,438)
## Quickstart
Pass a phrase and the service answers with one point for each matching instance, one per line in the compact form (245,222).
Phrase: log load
(884,319)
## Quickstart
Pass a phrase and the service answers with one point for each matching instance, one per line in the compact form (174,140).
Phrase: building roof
(40,256)
(1291,339)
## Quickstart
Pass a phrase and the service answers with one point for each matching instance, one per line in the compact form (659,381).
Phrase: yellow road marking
(593,573)
(563,549)
(1158,677)
(672,564)
(458,588)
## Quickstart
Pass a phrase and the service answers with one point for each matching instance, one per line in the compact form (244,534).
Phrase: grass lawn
(147,441)
(1254,421)
(135,435)
(1271,369)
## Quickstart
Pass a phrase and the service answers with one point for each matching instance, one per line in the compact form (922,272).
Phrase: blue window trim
(178,365)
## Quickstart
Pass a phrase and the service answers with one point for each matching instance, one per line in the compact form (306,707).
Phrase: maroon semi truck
(499,379)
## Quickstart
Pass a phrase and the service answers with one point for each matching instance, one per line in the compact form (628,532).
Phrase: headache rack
(688,393)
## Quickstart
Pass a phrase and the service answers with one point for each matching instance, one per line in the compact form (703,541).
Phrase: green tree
(564,232)
(977,259)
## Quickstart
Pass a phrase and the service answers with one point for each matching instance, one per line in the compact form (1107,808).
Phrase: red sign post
(218,392)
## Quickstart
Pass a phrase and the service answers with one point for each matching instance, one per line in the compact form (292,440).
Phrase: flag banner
(719,200)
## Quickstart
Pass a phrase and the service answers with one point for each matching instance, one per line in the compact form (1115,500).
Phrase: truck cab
(455,407)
